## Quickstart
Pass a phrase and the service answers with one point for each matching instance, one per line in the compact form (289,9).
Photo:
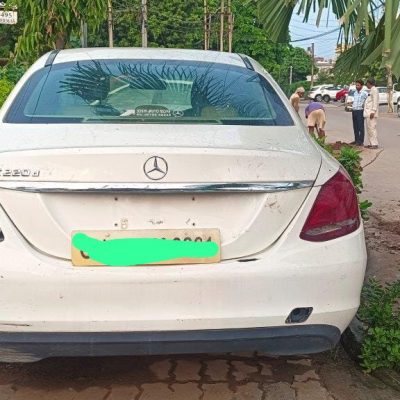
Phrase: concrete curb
(352,339)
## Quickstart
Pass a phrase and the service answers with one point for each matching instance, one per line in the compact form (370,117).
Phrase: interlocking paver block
(92,393)
(187,370)
(128,392)
(311,374)
(305,361)
(6,392)
(186,391)
(59,394)
(161,369)
(243,370)
(26,393)
(250,391)
(311,390)
(217,370)
(279,391)
(266,370)
(217,391)
(156,391)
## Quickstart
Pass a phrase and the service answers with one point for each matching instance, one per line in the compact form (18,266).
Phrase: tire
(318,97)
(326,98)
(398,110)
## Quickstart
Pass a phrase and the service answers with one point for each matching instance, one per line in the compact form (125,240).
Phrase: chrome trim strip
(152,187)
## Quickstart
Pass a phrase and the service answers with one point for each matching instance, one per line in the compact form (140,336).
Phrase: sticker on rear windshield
(153,112)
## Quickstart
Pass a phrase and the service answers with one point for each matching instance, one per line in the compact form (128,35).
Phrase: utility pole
(205,25)
(290,74)
(230,27)
(221,33)
(312,64)
(387,51)
(144,23)
(208,29)
(84,34)
(110,25)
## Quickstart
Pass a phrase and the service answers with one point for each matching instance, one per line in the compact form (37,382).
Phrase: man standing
(295,98)
(360,96)
(371,109)
(316,118)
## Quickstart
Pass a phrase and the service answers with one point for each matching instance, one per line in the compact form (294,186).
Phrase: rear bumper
(41,295)
(302,339)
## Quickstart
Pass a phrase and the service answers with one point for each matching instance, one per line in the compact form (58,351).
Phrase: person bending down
(316,118)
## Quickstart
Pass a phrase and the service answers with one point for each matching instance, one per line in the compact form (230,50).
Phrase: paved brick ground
(249,376)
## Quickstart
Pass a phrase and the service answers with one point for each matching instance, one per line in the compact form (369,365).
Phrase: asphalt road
(327,376)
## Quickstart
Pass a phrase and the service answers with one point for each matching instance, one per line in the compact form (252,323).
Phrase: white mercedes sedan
(168,201)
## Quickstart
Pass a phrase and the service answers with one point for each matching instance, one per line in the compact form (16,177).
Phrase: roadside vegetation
(351,161)
(380,303)
(380,314)
(9,76)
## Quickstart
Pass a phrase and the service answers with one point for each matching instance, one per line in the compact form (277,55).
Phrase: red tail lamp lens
(335,212)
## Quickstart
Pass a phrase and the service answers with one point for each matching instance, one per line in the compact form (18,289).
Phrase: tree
(9,35)
(49,24)
(373,38)
(179,24)
(171,23)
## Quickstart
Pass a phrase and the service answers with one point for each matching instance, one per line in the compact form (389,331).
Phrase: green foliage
(49,24)
(364,206)
(326,146)
(9,35)
(44,25)
(306,85)
(12,72)
(5,89)
(351,161)
(360,22)
(250,38)
(325,77)
(380,311)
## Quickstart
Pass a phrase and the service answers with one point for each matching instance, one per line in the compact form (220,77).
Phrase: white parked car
(324,93)
(329,93)
(383,95)
(398,108)
(163,200)
(316,92)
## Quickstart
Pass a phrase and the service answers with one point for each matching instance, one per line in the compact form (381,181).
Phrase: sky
(324,46)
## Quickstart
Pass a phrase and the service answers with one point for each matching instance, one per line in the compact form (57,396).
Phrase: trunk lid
(50,192)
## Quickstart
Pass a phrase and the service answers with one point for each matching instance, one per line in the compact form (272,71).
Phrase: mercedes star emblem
(178,113)
(155,168)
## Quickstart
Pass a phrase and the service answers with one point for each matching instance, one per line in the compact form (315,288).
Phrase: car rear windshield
(148,91)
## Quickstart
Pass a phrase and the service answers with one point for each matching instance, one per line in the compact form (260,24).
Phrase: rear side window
(148,91)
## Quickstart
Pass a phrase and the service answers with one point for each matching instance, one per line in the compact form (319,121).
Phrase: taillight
(335,211)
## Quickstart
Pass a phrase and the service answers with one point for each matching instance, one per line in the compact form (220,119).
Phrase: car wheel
(398,111)
(318,97)
(326,98)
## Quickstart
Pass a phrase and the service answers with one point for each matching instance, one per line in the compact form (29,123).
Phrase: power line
(317,36)
(332,31)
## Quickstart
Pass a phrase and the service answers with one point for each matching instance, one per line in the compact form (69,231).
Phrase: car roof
(147,53)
